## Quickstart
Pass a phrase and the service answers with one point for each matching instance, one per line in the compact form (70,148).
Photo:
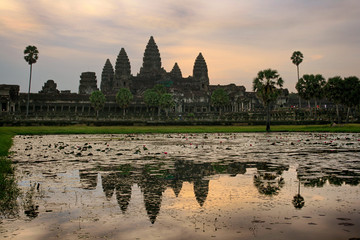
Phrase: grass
(82,129)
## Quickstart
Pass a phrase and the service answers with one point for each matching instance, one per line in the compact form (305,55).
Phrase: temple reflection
(155,177)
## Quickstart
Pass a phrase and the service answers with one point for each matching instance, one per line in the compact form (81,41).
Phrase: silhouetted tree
(351,94)
(124,98)
(152,97)
(311,86)
(334,90)
(97,100)
(265,87)
(31,56)
(297,58)
(166,102)
(268,183)
(220,98)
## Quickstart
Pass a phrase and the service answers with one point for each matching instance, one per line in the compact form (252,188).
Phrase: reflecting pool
(187,186)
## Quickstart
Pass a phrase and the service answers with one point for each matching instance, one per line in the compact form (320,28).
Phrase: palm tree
(334,90)
(265,87)
(297,58)
(124,98)
(31,56)
(97,100)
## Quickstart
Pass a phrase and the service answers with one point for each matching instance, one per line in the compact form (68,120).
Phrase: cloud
(316,57)
(237,38)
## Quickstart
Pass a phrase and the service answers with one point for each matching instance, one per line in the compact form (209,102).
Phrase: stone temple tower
(107,78)
(151,61)
(200,72)
(88,83)
(122,75)
(176,72)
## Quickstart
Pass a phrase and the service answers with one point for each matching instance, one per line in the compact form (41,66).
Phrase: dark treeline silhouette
(337,90)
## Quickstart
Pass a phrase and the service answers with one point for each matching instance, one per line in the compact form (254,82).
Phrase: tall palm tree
(265,87)
(31,56)
(297,58)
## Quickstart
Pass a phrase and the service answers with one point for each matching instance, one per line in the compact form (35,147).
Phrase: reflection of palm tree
(268,183)
(298,200)
(30,206)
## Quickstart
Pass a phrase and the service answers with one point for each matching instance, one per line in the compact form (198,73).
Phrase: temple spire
(107,77)
(176,72)
(151,59)
(200,72)
(122,71)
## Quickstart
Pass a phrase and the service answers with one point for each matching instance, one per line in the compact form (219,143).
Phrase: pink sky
(237,38)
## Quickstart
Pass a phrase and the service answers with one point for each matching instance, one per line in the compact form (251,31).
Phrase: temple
(191,94)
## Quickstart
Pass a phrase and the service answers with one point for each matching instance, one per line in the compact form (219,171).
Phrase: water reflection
(31,209)
(9,192)
(216,185)
(318,173)
(153,179)
(298,200)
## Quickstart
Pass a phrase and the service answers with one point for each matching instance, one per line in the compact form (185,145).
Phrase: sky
(238,38)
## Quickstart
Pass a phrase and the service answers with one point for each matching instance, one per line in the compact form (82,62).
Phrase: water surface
(187,186)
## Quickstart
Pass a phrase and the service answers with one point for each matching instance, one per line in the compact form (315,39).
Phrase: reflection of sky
(237,38)
(233,209)
(73,203)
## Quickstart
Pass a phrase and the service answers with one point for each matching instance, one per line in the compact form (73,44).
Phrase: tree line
(338,90)
(156,97)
